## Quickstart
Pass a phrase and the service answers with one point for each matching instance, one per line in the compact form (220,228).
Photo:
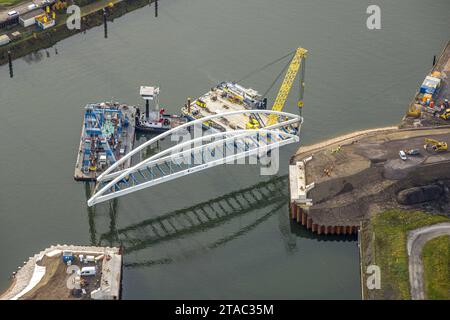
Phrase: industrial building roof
(32,14)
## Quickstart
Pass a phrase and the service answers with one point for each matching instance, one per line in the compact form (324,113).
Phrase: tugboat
(155,120)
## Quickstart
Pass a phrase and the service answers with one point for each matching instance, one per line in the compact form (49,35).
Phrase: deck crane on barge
(297,62)
(231,96)
(224,111)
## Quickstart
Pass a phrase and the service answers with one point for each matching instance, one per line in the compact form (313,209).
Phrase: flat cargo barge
(108,133)
(226,97)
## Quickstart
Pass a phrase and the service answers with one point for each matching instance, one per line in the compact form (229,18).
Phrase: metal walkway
(204,150)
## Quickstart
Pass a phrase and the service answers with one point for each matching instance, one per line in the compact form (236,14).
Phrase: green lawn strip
(391,228)
(5,3)
(436,264)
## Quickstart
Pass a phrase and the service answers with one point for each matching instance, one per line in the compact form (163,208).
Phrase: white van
(88,271)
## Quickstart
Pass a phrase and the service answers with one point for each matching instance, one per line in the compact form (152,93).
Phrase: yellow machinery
(296,62)
(446,114)
(414,112)
(436,145)
(200,103)
(253,123)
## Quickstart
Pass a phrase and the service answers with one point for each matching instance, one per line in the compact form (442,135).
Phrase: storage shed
(29,18)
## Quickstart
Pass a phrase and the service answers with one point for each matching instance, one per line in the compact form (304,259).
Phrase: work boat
(155,120)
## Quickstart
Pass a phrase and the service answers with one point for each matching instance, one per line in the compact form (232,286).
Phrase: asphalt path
(416,240)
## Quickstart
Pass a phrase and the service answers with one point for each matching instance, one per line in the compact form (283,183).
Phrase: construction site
(236,117)
(337,184)
(67,272)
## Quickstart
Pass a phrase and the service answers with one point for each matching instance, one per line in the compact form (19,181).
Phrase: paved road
(416,240)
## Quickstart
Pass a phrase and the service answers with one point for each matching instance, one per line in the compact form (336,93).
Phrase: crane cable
(277,78)
(265,66)
(290,54)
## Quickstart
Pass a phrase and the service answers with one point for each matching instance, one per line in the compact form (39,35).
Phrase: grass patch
(389,230)
(6,3)
(436,264)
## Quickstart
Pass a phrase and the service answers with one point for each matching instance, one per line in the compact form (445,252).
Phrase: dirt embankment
(365,174)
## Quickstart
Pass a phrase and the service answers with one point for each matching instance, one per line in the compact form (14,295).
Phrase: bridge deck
(197,153)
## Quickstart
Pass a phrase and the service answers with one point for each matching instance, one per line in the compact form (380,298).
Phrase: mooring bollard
(11,72)
(105,23)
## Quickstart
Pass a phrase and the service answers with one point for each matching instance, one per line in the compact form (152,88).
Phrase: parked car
(402,155)
(413,152)
(13,13)
(32,6)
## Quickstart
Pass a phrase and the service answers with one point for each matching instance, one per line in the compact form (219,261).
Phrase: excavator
(446,114)
(437,146)
(297,61)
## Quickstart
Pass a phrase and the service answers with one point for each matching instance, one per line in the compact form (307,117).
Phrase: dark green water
(356,79)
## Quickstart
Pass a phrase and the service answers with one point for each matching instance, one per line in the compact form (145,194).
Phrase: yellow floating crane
(297,62)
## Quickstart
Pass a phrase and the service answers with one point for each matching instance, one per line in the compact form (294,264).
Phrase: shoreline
(92,16)
(336,183)
(355,134)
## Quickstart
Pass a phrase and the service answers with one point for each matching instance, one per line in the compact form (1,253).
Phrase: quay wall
(346,217)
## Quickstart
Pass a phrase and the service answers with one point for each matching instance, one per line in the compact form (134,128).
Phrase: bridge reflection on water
(223,219)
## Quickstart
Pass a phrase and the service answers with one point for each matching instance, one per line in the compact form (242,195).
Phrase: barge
(108,133)
(226,97)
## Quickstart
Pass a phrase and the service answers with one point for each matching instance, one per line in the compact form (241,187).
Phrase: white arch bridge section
(206,149)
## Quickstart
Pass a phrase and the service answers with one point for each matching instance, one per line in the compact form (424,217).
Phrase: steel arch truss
(196,154)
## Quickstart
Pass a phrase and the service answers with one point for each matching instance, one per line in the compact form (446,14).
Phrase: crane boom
(288,81)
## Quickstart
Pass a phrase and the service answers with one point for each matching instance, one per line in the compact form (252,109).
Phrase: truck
(87,271)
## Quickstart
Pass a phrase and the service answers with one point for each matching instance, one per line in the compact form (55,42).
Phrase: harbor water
(355,78)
